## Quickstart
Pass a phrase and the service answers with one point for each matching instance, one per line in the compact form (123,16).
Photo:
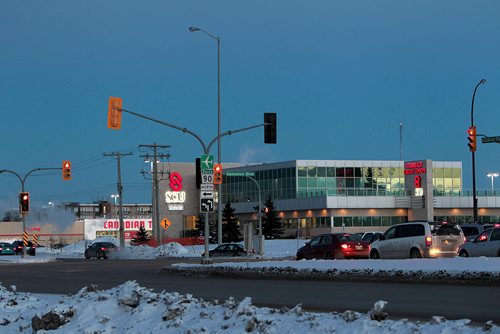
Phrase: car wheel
(87,256)
(104,256)
(463,253)
(374,255)
(415,254)
(327,256)
(299,257)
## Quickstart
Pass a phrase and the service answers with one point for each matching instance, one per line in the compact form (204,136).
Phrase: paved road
(414,301)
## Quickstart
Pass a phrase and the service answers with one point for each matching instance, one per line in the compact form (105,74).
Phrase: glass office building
(323,195)
(311,178)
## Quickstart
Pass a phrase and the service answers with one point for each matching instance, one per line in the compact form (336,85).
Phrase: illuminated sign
(175,181)
(415,167)
(175,196)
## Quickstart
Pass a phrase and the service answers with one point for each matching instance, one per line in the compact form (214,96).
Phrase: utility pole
(157,233)
(118,156)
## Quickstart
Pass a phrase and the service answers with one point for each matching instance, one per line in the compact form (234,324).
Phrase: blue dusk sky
(341,76)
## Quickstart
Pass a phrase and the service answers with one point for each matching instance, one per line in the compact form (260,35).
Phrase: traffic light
(217,174)
(269,128)
(472,139)
(24,202)
(66,170)
(115,113)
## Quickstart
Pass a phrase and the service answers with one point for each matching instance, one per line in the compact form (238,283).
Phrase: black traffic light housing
(198,173)
(269,128)
(472,138)
(24,202)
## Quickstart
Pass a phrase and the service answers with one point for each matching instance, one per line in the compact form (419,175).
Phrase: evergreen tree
(141,237)
(272,227)
(230,230)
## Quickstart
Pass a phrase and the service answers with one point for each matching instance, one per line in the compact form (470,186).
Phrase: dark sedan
(227,250)
(334,246)
(18,246)
(100,250)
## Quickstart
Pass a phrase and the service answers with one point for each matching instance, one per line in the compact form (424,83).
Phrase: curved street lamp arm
(185,130)
(230,132)
(12,172)
(482,81)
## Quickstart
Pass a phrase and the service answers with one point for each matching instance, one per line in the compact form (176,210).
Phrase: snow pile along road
(130,308)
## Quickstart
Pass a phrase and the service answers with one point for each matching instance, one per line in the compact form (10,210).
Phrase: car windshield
(349,237)
(469,230)
(444,229)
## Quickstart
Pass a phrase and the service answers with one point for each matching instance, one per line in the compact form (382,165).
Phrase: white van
(417,239)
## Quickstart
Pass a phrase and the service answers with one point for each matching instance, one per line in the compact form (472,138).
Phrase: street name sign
(239,174)
(486,140)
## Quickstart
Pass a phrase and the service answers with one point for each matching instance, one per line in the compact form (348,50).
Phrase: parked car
(370,236)
(334,246)
(227,250)
(100,250)
(6,249)
(485,244)
(418,239)
(471,231)
(18,246)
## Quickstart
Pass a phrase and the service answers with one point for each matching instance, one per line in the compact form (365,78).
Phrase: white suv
(418,239)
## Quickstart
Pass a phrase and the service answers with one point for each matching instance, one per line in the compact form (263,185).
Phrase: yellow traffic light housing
(472,139)
(115,113)
(217,174)
(66,170)
(24,202)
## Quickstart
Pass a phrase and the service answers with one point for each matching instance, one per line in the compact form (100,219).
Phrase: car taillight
(103,248)
(344,246)
(428,241)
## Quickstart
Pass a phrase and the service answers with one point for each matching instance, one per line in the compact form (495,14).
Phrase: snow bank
(130,308)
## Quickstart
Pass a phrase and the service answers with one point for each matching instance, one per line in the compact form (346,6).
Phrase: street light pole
(474,196)
(219,187)
(23,181)
(492,176)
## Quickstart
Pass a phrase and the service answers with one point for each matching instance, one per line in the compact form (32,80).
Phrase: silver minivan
(417,239)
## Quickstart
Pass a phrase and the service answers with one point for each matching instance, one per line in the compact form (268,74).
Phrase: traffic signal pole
(474,195)
(22,179)
(206,149)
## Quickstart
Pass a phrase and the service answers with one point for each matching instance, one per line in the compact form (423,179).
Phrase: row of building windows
(332,181)
(348,221)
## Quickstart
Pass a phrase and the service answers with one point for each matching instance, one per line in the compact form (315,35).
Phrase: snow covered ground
(130,308)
